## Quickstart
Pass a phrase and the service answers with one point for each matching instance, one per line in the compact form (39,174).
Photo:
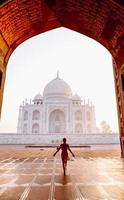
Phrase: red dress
(64,154)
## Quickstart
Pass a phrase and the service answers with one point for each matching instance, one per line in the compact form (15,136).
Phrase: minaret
(19,127)
(57,75)
(93,119)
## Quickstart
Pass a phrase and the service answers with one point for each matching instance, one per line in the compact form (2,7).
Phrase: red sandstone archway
(101,20)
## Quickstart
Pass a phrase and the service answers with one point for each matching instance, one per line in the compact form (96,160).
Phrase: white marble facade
(57,112)
(55,115)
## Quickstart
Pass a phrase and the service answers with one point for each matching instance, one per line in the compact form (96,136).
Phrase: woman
(64,155)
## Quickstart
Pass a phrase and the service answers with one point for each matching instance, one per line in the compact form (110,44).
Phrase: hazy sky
(82,62)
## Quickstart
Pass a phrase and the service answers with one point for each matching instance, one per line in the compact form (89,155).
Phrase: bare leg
(64,163)
(65,166)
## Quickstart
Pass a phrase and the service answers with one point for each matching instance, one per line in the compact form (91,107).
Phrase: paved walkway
(33,174)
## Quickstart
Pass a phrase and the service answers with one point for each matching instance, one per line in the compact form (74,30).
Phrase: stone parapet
(45,139)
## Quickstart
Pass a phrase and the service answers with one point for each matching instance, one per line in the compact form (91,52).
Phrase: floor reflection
(37,176)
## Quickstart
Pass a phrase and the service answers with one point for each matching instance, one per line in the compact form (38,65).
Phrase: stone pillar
(2,81)
(122,146)
(119,88)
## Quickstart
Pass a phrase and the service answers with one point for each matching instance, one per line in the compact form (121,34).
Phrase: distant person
(64,155)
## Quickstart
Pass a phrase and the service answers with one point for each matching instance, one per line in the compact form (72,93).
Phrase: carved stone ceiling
(21,19)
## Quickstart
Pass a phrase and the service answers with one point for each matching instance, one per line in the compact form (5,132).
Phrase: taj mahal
(57,112)
(47,118)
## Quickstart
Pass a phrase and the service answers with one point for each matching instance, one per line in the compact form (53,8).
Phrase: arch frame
(100,20)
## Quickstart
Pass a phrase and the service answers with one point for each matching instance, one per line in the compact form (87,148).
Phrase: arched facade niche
(89,128)
(88,116)
(35,128)
(26,115)
(78,115)
(78,128)
(25,128)
(57,122)
(36,115)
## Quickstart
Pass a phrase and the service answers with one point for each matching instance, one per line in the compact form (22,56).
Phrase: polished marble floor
(33,174)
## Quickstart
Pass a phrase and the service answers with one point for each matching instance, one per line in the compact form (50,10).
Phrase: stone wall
(44,139)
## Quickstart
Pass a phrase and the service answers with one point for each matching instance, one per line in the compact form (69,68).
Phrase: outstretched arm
(71,151)
(57,151)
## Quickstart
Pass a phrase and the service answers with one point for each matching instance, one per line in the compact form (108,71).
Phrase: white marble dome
(57,87)
(38,97)
(76,97)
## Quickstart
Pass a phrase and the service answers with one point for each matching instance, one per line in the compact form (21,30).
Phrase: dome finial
(57,75)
